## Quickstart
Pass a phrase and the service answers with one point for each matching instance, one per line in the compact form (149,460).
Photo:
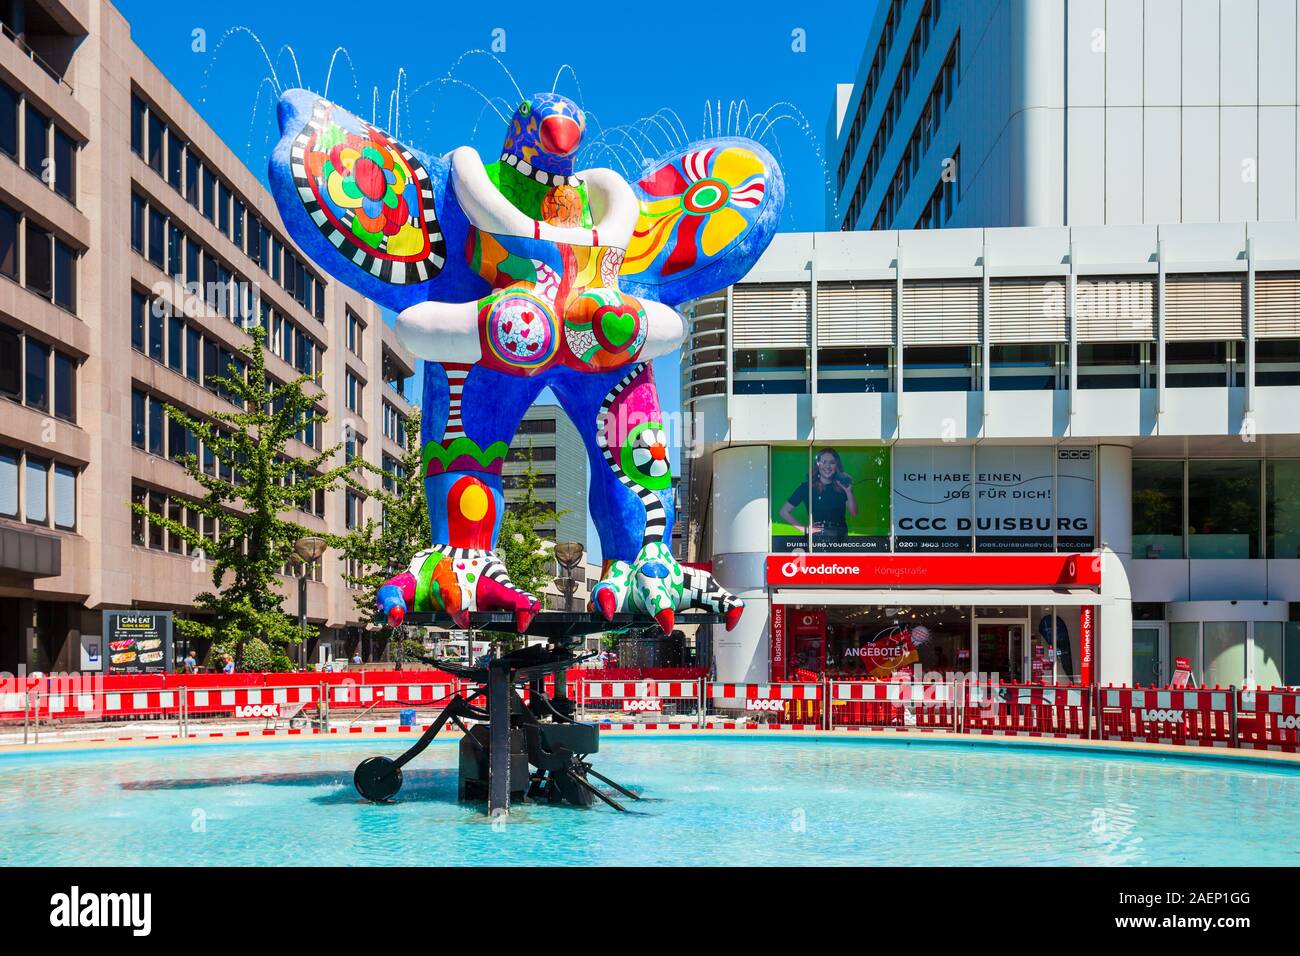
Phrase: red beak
(560,135)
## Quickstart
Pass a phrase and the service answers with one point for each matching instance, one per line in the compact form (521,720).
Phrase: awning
(946,597)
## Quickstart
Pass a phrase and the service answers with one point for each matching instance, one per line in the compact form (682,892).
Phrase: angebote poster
(829,499)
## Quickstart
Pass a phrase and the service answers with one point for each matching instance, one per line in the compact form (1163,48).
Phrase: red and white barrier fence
(1198,717)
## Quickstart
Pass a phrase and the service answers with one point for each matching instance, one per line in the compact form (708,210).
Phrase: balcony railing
(35,57)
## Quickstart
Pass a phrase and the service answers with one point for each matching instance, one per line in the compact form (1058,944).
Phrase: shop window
(1277,362)
(1223,509)
(1282,508)
(1225,653)
(770,372)
(1157,509)
(939,368)
(1266,654)
(1116,364)
(1185,641)
(841,370)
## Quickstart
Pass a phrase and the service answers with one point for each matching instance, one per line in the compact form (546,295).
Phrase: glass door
(1000,650)
(1149,655)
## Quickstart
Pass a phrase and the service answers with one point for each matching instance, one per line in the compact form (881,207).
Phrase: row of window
(173,158)
(938,208)
(1023,367)
(28,136)
(147,534)
(874,75)
(181,345)
(37,490)
(918,145)
(936,103)
(155,235)
(394,425)
(1225,508)
(34,256)
(37,375)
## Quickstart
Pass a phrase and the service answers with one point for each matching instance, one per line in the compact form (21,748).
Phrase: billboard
(137,642)
(829,498)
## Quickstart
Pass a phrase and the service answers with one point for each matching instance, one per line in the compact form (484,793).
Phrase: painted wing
(707,214)
(374,213)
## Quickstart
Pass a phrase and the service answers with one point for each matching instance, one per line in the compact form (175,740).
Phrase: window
(841,369)
(223,208)
(1198,364)
(209,193)
(156,419)
(175,343)
(1157,509)
(1277,362)
(139,308)
(937,368)
(139,403)
(65,387)
(1282,508)
(352,510)
(1023,367)
(1115,365)
(156,342)
(9,100)
(9,223)
(157,230)
(139,497)
(65,276)
(137,223)
(40,272)
(65,497)
(11,363)
(175,152)
(353,392)
(193,345)
(36,493)
(192,178)
(38,142)
(38,374)
(175,245)
(156,128)
(65,164)
(1223,509)
(355,330)
(536,426)
(9,482)
(139,113)
(771,371)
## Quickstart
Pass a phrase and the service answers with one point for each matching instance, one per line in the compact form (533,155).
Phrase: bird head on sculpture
(543,137)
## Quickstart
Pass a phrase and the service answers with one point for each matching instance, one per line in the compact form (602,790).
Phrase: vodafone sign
(949,570)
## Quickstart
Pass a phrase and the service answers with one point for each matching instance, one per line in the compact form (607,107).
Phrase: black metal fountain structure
(511,750)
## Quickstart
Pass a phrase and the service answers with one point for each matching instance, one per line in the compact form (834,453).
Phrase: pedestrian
(356,657)
(190,664)
(228,667)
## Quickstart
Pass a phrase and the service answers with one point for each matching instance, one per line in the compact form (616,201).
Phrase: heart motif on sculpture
(617,325)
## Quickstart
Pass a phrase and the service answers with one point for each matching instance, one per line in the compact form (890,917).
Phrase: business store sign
(944,498)
(137,642)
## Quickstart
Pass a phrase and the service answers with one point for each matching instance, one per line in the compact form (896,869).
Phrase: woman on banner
(828,500)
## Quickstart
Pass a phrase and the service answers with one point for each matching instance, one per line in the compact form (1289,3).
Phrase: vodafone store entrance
(1033,620)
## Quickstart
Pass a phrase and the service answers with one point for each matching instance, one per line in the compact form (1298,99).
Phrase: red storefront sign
(934,570)
(1087,629)
(776,641)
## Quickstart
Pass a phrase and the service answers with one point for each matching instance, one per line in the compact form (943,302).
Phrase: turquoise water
(709,801)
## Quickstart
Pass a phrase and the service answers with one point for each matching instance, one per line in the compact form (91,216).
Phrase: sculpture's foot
(486,586)
(657,585)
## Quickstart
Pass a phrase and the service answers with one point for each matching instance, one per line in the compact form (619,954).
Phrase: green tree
(380,549)
(528,561)
(251,484)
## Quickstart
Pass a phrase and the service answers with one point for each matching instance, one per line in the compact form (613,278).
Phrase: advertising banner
(1013,498)
(834,499)
(776,641)
(137,642)
(932,498)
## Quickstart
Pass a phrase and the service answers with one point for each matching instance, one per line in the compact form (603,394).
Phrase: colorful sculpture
(518,275)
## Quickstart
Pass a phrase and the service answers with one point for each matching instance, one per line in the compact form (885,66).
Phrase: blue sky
(625,62)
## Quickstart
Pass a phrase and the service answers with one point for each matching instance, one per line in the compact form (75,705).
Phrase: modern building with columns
(1041,453)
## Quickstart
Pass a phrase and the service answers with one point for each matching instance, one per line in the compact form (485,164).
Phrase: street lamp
(309,549)
(568,554)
